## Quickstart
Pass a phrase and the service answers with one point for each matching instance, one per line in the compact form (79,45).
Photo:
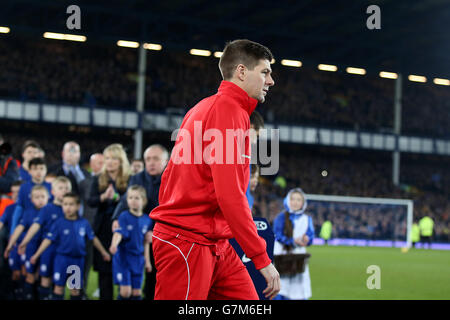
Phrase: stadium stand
(425,179)
(103,75)
(338,134)
(358,174)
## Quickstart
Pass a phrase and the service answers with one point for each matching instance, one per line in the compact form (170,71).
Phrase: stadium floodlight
(442,82)
(353,70)
(4,30)
(74,37)
(416,78)
(388,75)
(272,61)
(200,52)
(327,67)
(291,63)
(64,36)
(128,44)
(218,54)
(152,46)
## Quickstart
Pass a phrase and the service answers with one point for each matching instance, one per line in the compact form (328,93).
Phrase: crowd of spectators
(334,172)
(329,171)
(362,221)
(105,75)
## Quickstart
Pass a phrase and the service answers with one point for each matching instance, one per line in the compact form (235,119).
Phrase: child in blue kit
(14,259)
(29,151)
(39,198)
(129,246)
(38,170)
(69,235)
(47,216)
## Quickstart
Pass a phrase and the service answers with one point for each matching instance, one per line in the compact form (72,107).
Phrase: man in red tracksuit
(202,200)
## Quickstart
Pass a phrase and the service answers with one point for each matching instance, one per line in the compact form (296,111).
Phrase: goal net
(361,221)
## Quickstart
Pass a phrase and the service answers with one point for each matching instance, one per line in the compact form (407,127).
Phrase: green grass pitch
(340,273)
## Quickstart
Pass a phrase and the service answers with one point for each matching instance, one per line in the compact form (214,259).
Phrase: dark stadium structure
(97,74)
(413,35)
(341,134)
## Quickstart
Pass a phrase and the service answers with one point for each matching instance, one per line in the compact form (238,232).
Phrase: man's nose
(270,81)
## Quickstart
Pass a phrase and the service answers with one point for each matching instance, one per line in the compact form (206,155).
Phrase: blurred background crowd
(102,75)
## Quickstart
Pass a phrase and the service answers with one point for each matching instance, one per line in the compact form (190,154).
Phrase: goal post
(315,199)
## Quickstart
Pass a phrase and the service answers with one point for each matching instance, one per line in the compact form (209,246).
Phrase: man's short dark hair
(74,196)
(30,143)
(16,183)
(244,52)
(37,162)
(256,120)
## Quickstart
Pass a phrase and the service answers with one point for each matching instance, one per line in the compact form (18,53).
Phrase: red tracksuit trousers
(187,270)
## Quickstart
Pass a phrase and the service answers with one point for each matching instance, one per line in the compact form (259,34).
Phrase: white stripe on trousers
(185,259)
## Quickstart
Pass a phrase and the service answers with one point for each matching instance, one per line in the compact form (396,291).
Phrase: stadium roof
(414,35)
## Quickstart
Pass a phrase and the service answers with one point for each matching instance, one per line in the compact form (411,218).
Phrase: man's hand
(273,281)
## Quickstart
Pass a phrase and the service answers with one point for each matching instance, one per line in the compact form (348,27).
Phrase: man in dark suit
(70,166)
(155,159)
(96,164)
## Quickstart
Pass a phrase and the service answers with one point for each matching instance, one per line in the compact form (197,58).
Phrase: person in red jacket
(202,200)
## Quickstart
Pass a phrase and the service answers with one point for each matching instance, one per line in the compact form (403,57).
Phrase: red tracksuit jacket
(205,201)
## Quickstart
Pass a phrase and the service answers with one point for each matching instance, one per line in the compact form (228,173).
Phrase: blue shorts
(14,259)
(22,259)
(47,261)
(29,252)
(128,269)
(68,268)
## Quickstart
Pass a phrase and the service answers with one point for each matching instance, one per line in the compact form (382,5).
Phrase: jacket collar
(153,179)
(245,101)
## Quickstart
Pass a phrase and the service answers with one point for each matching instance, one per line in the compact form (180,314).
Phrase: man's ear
(241,71)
